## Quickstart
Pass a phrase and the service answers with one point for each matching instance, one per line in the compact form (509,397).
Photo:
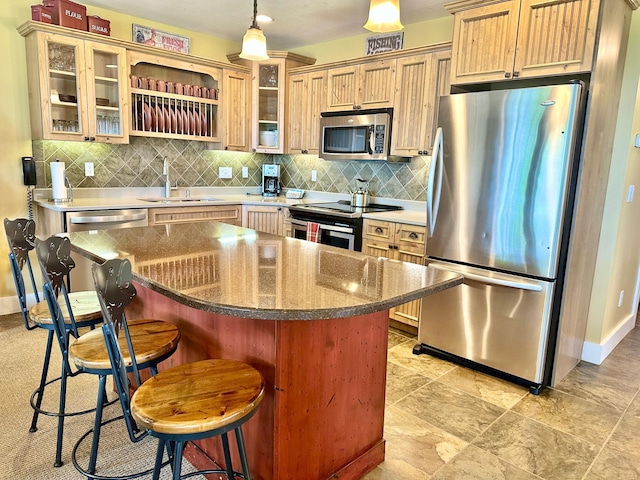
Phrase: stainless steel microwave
(361,135)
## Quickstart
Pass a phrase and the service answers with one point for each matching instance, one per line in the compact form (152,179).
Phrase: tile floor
(445,422)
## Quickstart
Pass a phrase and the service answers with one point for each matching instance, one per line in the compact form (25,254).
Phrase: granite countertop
(86,199)
(235,271)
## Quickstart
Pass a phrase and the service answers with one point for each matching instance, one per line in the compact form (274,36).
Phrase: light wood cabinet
(237,110)
(420,81)
(264,218)
(306,99)
(231,214)
(362,86)
(522,38)
(402,242)
(268,97)
(77,88)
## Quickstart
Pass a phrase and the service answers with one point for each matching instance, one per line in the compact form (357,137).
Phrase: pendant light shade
(384,16)
(254,43)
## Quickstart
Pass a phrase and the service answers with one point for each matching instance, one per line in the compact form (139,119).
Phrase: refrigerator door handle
(521,284)
(433,194)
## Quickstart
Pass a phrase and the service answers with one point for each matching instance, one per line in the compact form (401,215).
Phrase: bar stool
(151,342)
(85,312)
(185,403)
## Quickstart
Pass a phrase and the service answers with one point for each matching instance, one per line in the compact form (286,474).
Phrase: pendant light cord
(255,14)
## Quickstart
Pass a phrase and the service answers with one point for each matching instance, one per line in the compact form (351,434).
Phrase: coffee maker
(270,180)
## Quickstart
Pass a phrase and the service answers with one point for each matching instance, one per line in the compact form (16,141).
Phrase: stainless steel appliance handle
(334,228)
(434,185)
(372,138)
(108,218)
(521,284)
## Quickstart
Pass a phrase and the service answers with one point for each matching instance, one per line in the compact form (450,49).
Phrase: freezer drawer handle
(109,218)
(534,287)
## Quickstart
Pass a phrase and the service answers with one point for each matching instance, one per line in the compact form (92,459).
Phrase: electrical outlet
(632,190)
(620,298)
(245,172)
(225,172)
(88,169)
(314,176)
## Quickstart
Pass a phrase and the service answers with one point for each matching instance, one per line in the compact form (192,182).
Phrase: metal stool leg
(63,398)
(227,456)
(43,381)
(243,454)
(177,460)
(158,464)
(102,389)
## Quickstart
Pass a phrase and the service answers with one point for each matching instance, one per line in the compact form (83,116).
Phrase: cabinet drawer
(410,235)
(221,213)
(378,230)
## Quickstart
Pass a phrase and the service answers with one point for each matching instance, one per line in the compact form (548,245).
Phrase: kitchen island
(312,319)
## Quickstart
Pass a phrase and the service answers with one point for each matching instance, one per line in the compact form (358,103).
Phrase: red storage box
(99,25)
(40,13)
(68,14)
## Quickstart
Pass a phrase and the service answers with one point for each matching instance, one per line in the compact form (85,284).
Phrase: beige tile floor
(446,422)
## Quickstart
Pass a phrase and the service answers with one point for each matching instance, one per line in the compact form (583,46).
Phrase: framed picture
(158,38)
(384,43)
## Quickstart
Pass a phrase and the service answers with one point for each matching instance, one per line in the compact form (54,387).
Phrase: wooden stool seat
(85,306)
(151,339)
(198,397)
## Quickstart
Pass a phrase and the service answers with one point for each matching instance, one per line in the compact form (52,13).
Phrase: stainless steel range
(339,224)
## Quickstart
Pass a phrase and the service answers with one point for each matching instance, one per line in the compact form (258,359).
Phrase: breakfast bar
(312,319)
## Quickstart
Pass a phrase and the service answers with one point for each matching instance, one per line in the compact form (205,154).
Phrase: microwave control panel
(379,136)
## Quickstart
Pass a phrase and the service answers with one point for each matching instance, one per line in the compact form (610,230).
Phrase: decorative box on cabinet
(420,81)
(174,98)
(77,86)
(268,93)
(521,38)
(402,242)
(362,86)
(306,99)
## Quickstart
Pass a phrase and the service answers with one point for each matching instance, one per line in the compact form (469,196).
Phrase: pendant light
(254,44)
(384,16)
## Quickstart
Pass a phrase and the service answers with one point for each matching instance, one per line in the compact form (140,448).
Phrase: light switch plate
(245,172)
(88,169)
(637,144)
(314,175)
(225,172)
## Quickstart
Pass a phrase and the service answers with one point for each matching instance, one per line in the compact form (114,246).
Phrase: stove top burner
(341,208)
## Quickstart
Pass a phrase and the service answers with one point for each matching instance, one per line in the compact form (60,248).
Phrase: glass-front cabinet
(79,93)
(268,98)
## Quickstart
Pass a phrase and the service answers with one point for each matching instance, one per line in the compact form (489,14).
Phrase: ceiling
(297,22)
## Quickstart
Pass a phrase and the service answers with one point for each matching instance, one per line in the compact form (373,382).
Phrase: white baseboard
(596,353)
(10,304)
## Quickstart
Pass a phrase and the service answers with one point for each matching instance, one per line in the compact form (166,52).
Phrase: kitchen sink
(180,199)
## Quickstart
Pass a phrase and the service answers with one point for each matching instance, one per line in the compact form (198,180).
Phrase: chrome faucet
(167,182)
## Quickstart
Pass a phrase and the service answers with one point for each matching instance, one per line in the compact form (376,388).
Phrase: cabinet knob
(413,236)
(304,151)
(516,74)
(507,74)
(89,139)
(378,230)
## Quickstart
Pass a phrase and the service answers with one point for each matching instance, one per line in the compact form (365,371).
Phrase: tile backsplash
(139,164)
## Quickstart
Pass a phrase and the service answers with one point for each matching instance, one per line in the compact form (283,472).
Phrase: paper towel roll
(58,187)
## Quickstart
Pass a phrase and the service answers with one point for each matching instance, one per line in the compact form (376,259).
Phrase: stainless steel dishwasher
(83,221)
(94,220)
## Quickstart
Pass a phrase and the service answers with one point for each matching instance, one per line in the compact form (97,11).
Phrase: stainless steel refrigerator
(501,216)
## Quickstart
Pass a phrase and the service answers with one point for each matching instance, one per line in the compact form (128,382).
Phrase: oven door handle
(335,228)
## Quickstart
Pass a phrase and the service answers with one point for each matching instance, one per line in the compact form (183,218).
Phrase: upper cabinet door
(484,43)
(107,98)
(59,110)
(377,83)
(556,37)
(363,86)
(237,109)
